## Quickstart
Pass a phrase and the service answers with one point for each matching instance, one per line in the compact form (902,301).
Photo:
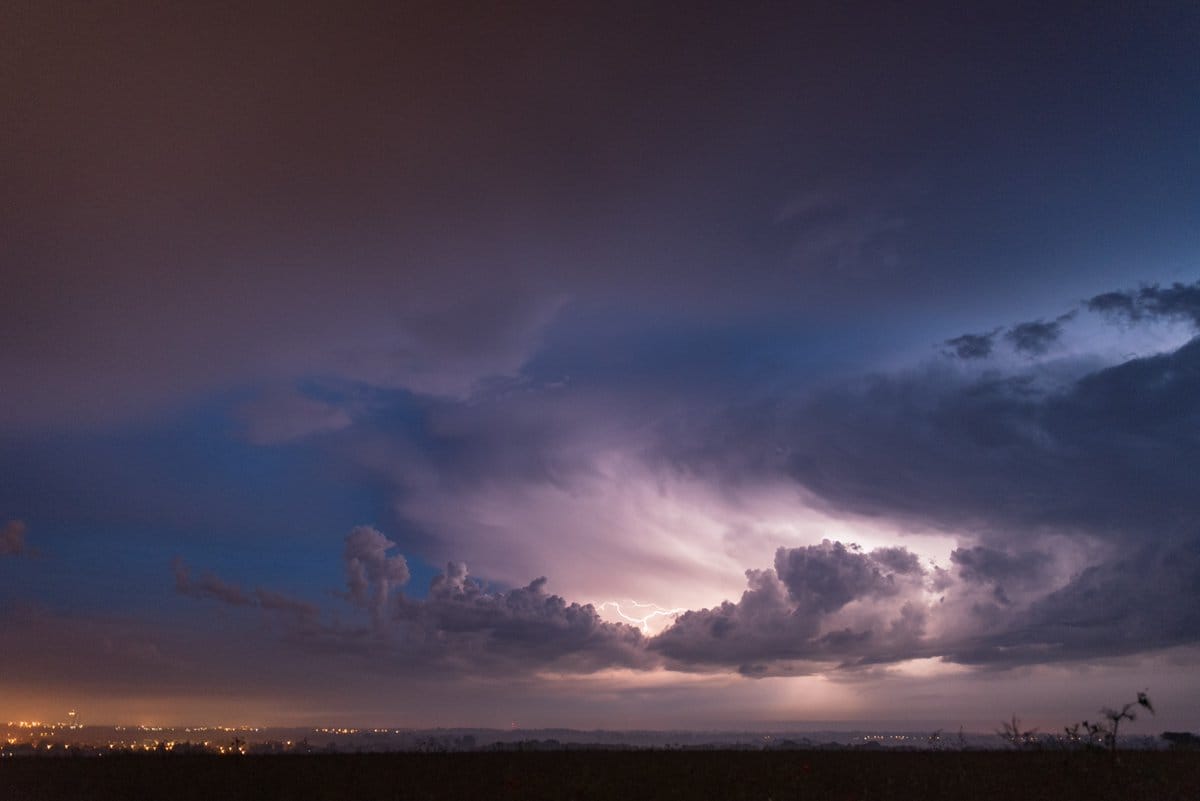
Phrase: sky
(626,366)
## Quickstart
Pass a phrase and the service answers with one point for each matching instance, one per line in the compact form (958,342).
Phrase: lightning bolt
(647,612)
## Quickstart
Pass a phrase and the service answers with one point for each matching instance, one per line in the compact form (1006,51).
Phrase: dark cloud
(211,587)
(1037,337)
(1003,572)
(1144,600)
(786,621)
(1095,456)
(1178,301)
(1040,470)
(981,564)
(823,578)
(1117,304)
(462,623)
(758,627)
(972,346)
(1033,338)
(1108,452)
(1067,484)
(461,626)
(1042,473)
(12,538)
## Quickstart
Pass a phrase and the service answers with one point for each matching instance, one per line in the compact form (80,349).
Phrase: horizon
(779,727)
(600,368)
(60,732)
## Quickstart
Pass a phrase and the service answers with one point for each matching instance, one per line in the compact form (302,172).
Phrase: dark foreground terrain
(625,775)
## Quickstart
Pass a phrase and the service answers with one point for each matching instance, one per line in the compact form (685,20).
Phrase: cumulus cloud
(1060,481)
(822,608)
(1040,470)
(525,627)
(972,346)
(460,626)
(823,578)
(371,574)
(1095,466)
(1177,301)
(1054,477)
(12,538)
(1032,338)
(820,605)
(1037,337)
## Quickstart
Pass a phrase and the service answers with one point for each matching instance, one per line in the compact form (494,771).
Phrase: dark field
(562,776)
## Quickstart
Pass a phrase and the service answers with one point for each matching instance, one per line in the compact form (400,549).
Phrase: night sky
(599,365)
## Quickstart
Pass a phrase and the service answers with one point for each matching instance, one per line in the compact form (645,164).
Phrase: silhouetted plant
(1107,732)
(1012,733)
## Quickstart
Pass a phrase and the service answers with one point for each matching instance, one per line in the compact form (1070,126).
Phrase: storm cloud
(1146,599)
(1100,462)
(788,618)
(660,306)
(461,625)
(522,628)
(1110,452)
(1041,472)
(990,565)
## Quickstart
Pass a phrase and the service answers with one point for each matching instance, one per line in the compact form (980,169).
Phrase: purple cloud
(523,628)
(209,586)
(787,621)
(371,574)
